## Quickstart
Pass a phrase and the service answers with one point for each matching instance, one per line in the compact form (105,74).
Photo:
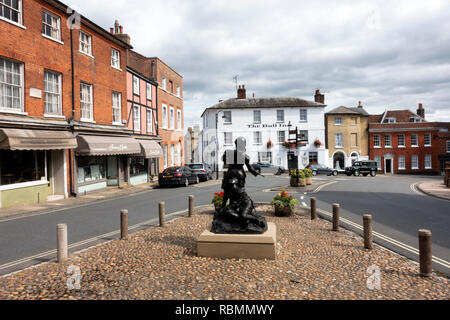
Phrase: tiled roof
(347,110)
(399,115)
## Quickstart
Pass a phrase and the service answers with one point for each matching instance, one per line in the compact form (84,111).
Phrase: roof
(256,103)
(399,115)
(347,110)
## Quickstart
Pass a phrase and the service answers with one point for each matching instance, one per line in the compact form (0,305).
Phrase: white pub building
(265,124)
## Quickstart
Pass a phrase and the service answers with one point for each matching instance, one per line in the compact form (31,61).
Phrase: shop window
(91,169)
(137,166)
(21,166)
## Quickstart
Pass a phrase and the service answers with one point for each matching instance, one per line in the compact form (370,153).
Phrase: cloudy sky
(388,54)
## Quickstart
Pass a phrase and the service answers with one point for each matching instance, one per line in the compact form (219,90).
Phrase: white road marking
(304,204)
(414,189)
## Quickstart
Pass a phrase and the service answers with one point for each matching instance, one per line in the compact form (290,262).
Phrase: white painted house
(262,122)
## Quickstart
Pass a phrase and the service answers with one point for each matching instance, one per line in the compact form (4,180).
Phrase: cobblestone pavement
(161,263)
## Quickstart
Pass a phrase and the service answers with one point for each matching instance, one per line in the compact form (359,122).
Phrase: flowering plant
(284,200)
(308,173)
(217,199)
(300,173)
(288,145)
(317,143)
(269,144)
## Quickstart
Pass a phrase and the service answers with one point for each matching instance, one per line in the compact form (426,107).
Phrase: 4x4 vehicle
(362,167)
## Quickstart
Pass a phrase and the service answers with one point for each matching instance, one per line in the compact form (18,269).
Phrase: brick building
(403,142)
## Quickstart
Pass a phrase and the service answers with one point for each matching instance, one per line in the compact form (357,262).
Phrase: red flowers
(218,198)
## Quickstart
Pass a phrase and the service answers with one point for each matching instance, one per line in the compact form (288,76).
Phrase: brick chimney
(118,32)
(421,111)
(241,93)
(319,98)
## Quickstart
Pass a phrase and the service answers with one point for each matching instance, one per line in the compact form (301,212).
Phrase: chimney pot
(319,98)
(421,111)
(111,30)
(241,92)
(121,29)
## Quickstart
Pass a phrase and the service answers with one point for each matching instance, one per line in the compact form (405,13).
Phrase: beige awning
(104,145)
(23,139)
(150,149)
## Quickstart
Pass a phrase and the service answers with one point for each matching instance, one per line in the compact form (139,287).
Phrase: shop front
(103,161)
(145,165)
(33,166)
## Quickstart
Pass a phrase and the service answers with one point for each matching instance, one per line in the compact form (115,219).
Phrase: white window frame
(178,91)
(304,117)
(4,84)
(338,140)
(390,141)
(149,91)
(228,141)
(165,155)
(338,121)
(417,140)
(376,141)
(136,117)
(280,112)
(149,120)
(53,93)
(416,158)
(428,161)
(165,116)
(115,59)
(255,112)
(425,139)
(88,103)
(448,146)
(172,118)
(116,108)
(279,136)
(136,85)
(257,137)
(398,140)
(172,155)
(227,119)
(87,44)
(179,120)
(164,83)
(55,19)
(19,11)
(401,162)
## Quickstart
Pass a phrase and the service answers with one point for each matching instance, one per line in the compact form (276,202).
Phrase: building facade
(265,124)
(347,136)
(193,145)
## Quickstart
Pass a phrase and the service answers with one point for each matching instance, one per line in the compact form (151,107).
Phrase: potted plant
(302,178)
(284,204)
(217,199)
(317,143)
(308,175)
(294,181)
(152,177)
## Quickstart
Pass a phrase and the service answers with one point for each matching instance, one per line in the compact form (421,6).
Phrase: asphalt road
(398,212)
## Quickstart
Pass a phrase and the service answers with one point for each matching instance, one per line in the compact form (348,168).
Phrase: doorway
(388,165)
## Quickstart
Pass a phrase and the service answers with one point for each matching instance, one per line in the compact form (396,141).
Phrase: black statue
(239,216)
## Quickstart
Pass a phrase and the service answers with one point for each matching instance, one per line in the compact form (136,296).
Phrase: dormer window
(390,120)
(414,119)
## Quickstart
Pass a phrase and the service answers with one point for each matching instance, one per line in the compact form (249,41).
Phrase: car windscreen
(172,169)
(196,166)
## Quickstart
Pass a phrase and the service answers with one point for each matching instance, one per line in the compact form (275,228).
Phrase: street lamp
(216,158)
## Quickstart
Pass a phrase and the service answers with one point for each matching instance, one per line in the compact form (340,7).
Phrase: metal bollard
(191,206)
(425,256)
(162,209)
(336,209)
(61,242)
(123,224)
(313,209)
(367,224)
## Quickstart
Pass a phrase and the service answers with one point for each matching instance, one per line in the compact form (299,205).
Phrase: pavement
(435,189)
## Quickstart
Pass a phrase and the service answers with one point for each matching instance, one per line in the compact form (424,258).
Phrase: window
(387,141)
(428,161)
(172,119)
(178,91)
(265,157)
(354,121)
(11,85)
(228,138)
(51,26)
(91,169)
(257,137)
(303,134)
(401,163)
(85,43)
(414,119)
(313,158)
(257,116)
(172,155)
(163,83)
(136,118)
(117,107)
(414,139)
(137,166)
(281,136)
(337,121)
(52,92)
(86,102)
(338,140)
(354,139)
(401,140)
(11,10)
(303,115)
(178,119)
(378,160)
(376,141)
(165,155)
(170,86)
(448,146)
(164,116)
(390,120)
(227,117)
(22,166)
(427,138)
(280,115)
(136,87)
(415,162)
(115,58)
(149,91)
(149,118)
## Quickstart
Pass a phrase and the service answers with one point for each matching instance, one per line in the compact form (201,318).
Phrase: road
(398,212)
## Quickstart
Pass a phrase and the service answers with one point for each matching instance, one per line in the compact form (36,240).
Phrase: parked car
(321,169)
(203,171)
(362,167)
(258,165)
(177,176)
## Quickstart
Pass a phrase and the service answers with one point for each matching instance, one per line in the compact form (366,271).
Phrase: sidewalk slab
(435,189)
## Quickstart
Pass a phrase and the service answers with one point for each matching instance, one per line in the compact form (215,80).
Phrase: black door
(388,166)
(292,161)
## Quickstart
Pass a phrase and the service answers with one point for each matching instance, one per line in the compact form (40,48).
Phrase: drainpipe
(71,152)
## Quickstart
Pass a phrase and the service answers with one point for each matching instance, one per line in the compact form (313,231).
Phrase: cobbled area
(160,263)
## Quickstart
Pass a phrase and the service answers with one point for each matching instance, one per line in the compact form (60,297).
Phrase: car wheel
(197,181)
(335,173)
(373,173)
(314,173)
(357,173)
(186,182)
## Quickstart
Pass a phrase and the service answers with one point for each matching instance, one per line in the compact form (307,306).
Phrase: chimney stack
(111,30)
(421,111)
(118,32)
(319,98)
(241,94)
(359,104)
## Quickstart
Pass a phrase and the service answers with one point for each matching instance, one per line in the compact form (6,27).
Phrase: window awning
(150,149)
(23,139)
(106,146)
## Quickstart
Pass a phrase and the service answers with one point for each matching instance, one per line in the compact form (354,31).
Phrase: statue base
(245,246)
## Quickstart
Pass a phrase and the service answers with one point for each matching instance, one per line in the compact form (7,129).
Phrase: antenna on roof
(236,80)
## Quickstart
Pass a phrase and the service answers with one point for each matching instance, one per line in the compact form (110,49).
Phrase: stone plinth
(250,246)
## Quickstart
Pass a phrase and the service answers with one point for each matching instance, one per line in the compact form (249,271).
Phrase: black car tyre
(373,173)
(357,173)
(335,173)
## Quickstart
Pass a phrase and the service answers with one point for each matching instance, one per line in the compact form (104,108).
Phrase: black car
(177,176)
(258,165)
(362,167)
(321,169)
(203,171)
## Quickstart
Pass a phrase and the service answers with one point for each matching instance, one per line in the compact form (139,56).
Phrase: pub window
(313,158)
(280,115)
(227,117)
(256,116)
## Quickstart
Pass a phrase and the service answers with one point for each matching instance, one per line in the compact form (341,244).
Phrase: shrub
(283,200)
(301,173)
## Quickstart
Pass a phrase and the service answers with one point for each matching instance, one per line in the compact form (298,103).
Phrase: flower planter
(308,181)
(294,182)
(283,211)
(302,182)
